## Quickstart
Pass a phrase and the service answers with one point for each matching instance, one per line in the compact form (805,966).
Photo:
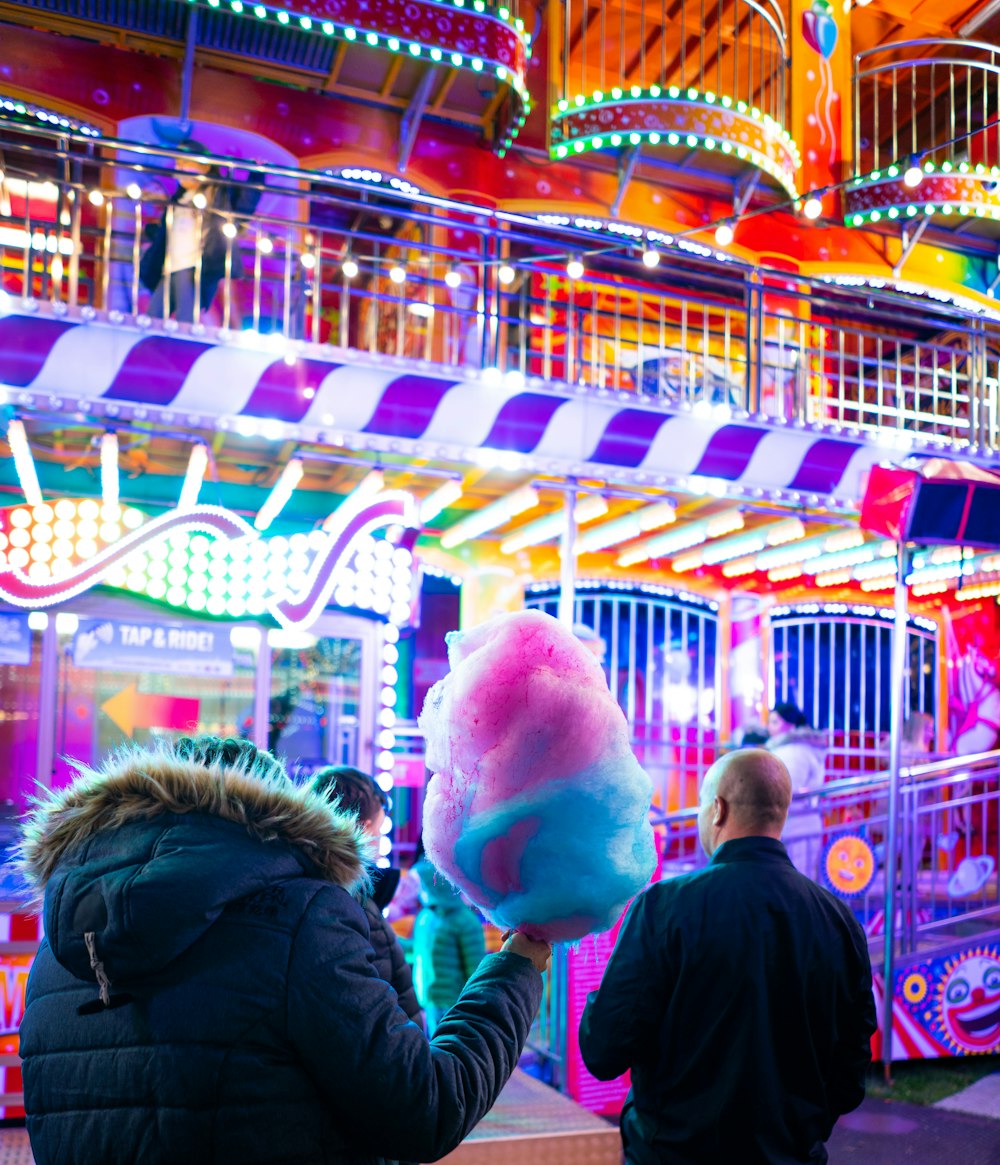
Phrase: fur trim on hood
(139,784)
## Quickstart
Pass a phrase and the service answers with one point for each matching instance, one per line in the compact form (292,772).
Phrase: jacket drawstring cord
(97,967)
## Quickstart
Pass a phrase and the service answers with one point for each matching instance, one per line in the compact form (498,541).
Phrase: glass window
(315,701)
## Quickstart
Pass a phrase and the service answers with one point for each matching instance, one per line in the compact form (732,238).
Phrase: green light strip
(674,93)
(328,28)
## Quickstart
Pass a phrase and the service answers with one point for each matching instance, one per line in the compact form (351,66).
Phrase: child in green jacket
(448,944)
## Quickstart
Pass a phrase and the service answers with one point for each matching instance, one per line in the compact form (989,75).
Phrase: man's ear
(720,811)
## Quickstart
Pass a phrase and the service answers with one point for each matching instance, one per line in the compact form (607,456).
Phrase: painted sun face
(850,865)
(970,1003)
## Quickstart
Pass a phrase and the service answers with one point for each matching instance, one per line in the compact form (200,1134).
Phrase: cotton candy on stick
(537,809)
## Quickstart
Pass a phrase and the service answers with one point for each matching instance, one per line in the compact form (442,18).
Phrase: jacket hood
(138,858)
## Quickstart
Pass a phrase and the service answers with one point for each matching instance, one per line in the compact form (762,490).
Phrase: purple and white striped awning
(339,397)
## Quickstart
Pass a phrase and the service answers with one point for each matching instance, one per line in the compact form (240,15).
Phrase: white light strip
(24,463)
(627,527)
(19,240)
(552,525)
(278,498)
(491,516)
(195,475)
(440,499)
(109,469)
(772,534)
(691,534)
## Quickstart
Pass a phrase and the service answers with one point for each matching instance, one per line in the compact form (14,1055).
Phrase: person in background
(740,996)
(355,792)
(802,750)
(206,991)
(190,236)
(448,944)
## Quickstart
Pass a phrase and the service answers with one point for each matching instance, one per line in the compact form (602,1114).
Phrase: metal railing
(949,817)
(934,100)
(737,49)
(380,268)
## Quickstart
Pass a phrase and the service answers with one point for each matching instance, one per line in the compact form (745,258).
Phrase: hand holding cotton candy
(537,809)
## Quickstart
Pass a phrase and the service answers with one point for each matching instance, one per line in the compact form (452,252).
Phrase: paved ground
(981,1098)
(885,1132)
(881,1132)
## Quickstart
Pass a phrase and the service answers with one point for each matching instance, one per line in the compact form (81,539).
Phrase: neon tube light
(279,496)
(491,516)
(552,525)
(626,528)
(691,534)
(439,499)
(24,463)
(195,475)
(109,469)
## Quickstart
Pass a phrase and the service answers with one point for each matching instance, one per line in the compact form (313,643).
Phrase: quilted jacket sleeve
(391,962)
(359,1048)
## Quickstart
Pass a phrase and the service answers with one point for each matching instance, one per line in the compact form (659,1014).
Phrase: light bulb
(453,279)
(650,258)
(574,269)
(724,234)
(397,275)
(505,273)
(913,175)
(813,207)
(349,268)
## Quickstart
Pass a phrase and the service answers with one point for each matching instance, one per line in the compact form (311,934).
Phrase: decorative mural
(949,1005)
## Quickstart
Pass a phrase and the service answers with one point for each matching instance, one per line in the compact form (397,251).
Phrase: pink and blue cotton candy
(537,810)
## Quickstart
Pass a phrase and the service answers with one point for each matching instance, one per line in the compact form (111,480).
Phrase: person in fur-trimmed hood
(206,989)
(803,751)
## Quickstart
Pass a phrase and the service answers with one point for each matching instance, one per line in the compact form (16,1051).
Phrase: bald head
(745,794)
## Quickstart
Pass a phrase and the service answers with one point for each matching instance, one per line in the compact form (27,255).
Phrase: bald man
(740,996)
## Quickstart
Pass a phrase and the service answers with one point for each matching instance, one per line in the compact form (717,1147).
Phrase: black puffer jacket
(390,962)
(207,992)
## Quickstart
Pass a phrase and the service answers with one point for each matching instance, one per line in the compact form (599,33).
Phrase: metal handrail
(695,331)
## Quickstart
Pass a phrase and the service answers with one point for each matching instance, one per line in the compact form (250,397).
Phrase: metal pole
(188,69)
(567,564)
(262,693)
(48,674)
(897,690)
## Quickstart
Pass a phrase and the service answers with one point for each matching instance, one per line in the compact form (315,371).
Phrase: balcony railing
(366,263)
(697,75)
(927,130)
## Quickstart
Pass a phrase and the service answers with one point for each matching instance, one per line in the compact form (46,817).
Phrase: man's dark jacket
(206,991)
(741,998)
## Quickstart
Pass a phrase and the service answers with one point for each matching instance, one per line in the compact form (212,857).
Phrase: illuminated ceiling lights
(279,496)
(812,208)
(552,525)
(852,557)
(24,463)
(626,528)
(440,499)
(491,516)
(983,590)
(195,475)
(808,548)
(109,469)
(690,534)
(773,534)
